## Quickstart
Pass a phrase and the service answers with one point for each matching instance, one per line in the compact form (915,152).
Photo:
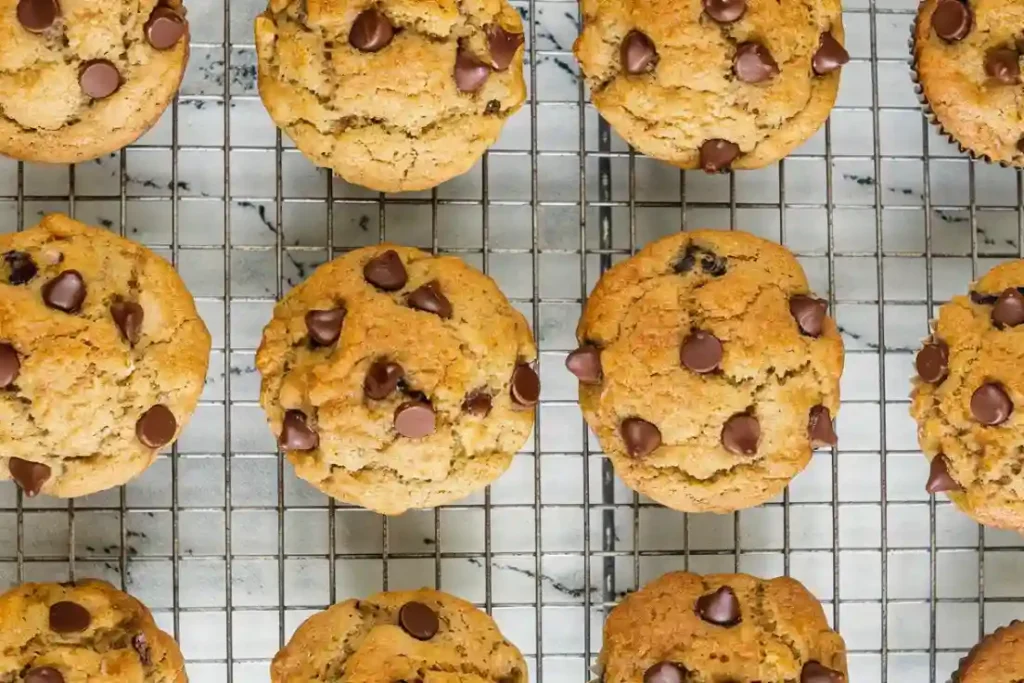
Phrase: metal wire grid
(616,565)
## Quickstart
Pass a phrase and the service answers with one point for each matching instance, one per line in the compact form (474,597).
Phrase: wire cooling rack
(232,552)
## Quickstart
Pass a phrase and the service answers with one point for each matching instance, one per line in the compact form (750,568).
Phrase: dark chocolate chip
(381,379)
(37,15)
(712,265)
(414,419)
(753,63)
(66,292)
(430,299)
(141,647)
(324,326)
(386,271)
(725,11)
(717,155)
(10,366)
(829,56)
(932,362)
(819,427)
(701,352)
(470,73)
(585,363)
(1002,65)
(493,107)
(939,478)
(983,299)
(164,28)
(477,403)
(296,434)
(525,387)
(637,53)
(503,46)
(22,267)
(156,427)
(813,672)
(99,78)
(30,476)
(1008,310)
(665,672)
(371,31)
(69,617)
(990,404)
(128,317)
(418,620)
(741,434)
(951,20)
(43,674)
(809,313)
(640,436)
(721,607)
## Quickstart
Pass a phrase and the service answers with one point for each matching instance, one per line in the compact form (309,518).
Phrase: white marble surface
(889,236)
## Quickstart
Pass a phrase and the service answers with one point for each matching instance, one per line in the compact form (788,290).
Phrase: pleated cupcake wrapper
(955,676)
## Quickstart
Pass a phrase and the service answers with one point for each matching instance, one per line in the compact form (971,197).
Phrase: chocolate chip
(493,107)
(37,15)
(585,363)
(386,271)
(381,379)
(43,674)
(470,73)
(951,20)
(1002,65)
(99,78)
(830,55)
(819,427)
(156,427)
(503,45)
(1009,308)
(430,299)
(753,63)
(716,155)
(721,608)
(10,366)
(128,317)
(640,436)
(637,53)
(324,326)
(66,292)
(983,299)
(141,647)
(741,434)
(68,617)
(813,672)
(712,265)
(164,28)
(939,478)
(296,435)
(414,419)
(701,352)
(22,267)
(371,31)
(418,620)
(477,403)
(725,11)
(809,313)
(665,672)
(932,362)
(990,405)
(525,387)
(30,476)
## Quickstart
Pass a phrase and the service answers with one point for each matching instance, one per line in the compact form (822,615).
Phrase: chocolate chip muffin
(708,370)
(394,96)
(998,658)
(967,64)
(81,79)
(713,84)
(397,380)
(85,630)
(102,358)
(422,635)
(721,627)
(969,380)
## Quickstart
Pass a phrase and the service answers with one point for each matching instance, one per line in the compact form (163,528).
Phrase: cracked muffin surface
(707,370)
(713,84)
(395,380)
(81,78)
(397,95)
(721,627)
(84,630)
(421,636)
(967,399)
(102,357)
